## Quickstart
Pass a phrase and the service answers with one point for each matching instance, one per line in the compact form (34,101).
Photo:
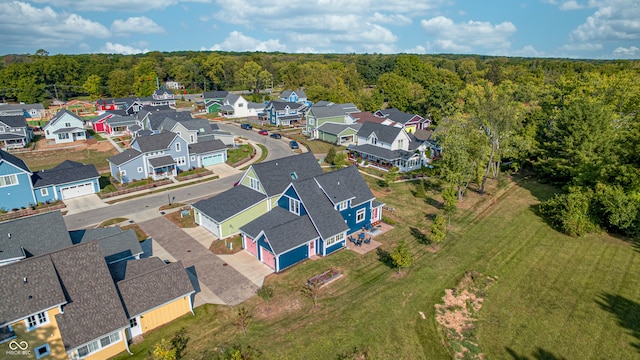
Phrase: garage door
(74,191)
(208,224)
(212,159)
(268,258)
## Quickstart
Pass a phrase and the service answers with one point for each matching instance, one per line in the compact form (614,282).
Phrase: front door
(312,248)
(135,327)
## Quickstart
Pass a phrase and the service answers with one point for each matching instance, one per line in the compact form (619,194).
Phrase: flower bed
(134,189)
(31,211)
(194,174)
(324,278)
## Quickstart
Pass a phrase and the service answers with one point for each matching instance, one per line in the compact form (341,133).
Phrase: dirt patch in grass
(140,234)
(183,218)
(459,311)
(221,247)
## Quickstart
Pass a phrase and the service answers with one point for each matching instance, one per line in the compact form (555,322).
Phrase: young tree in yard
(401,256)
(266,293)
(179,342)
(450,202)
(312,290)
(243,319)
(163,351)
(331,154)
(438,229)
(390,176)
(340,160)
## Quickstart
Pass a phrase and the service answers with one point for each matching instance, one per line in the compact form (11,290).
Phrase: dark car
(294,144)
(263,132)
(246,126)
(276,136)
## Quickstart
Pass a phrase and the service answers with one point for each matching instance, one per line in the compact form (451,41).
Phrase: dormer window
(178,147)
(343,205)
(37,320)
(293,175)
(294,206)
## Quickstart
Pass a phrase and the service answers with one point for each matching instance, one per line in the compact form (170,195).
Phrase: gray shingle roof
(94,308)
(326,219)
(381,153)
(397,115)
(206,146)
(11,136)
(221,94)
(5,156)
(118,120)
(335,129)
(161,161)
(132,268)
(124,156)
(115,243)
(37,234)
(286,93)
(345,183)
(384,133)
(275,174)
(59,115)
(152,289)
(68,171)
(41,290)
(14,121)
(333,110)
(229,203)
(281,105)
(283,229)
(155,142)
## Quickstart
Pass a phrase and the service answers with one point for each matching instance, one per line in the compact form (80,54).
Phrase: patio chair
(367,240)
(353,240)
(359,243)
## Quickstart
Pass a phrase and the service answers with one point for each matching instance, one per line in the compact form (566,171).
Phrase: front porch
(162,167)
(363,159)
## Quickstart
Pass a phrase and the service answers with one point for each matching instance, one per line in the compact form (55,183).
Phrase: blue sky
(592,29)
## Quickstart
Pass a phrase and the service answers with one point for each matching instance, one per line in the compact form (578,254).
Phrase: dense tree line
(574,122)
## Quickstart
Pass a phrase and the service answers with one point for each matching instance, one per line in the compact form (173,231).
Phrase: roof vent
(25,280)
(9,235)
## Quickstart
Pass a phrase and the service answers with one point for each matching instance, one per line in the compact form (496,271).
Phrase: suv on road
(294,144)
(246,126)
(276,136)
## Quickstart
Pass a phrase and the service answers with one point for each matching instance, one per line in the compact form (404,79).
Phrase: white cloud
(416,50)
(23,25)
(121,5)
(582,47)
(527,51)
(395,19)
(571,5)
(236,41)
(613,20)
(111,48)
(472,36)
(630,52)
(142,25)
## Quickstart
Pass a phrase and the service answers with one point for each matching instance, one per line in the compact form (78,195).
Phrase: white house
(65,127)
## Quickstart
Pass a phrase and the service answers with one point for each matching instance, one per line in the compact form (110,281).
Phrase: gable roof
(366,116)
(333,128)
(206,146)
(28,287)
(281,105)
(124,156)
(286,93)
(229,203)
(15,161)
(93,306)
(14,121)
(325,218)
(275,175)
(37,235)
(155,142)
(157,119)
(154,288)
(59,115)
(345,184)
(397,115)
(333,110)
(220,94)
(66,172)
(115,243)
(384,133)
(283,229)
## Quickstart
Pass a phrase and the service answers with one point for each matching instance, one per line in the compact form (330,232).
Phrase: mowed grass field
(555,297)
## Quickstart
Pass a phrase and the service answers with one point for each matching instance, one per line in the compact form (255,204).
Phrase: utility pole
(157,83)
(56,91)
(204,83)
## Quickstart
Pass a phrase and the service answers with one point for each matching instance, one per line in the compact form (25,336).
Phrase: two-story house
(296,96)
(410,122)
(32,112)
(65,127)
(236,106)
(214,100)
(384,147)
(284,113)
(14,132)
(331,122)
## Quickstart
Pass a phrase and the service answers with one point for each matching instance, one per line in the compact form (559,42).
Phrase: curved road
(146,207)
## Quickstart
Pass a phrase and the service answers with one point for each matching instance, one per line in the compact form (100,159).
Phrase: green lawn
(316,146)
(239,153)
(39,160)
(555,297)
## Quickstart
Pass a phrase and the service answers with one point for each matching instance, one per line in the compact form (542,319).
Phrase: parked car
(246,126)
(263,132)
(294,144)
(276,136)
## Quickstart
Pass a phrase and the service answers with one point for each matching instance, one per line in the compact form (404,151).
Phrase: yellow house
(154,293)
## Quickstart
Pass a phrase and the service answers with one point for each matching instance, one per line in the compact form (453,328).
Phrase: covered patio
(162,167)
(384,159)
(12,141)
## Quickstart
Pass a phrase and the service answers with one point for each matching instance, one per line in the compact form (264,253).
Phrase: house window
(240,105)
(360,215)
(312,121)
(98,344)
(400,143)
(178,147)
(133,322)
(8,180)
(294,206)
(181,161)
(193,158)
(47,132)
(63,136)
(44,192)
(342,205)
(139,169)
(191,139)
(67,124)
(334,239)
(123,172)
(37,320)
(42,351)
(254,184)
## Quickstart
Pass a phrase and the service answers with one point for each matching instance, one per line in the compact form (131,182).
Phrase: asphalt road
(188,194)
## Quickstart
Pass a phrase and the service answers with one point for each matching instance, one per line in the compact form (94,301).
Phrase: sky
(583,29)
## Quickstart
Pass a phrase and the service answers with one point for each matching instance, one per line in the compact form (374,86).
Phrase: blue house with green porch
(312,217)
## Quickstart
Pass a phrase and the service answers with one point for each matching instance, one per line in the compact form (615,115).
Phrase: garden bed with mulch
(324,278)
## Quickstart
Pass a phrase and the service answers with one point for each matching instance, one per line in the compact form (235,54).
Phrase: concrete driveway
(223,170)
(84,203)
(213,274)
